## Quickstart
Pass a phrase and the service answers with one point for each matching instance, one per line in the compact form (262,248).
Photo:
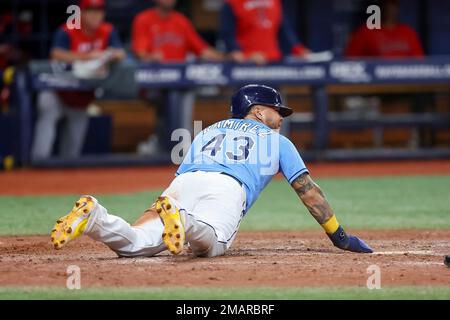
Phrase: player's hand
(117,54)
(258,57)
(237,56)
(350,243)
(92,55)
(210,54)
(155,56)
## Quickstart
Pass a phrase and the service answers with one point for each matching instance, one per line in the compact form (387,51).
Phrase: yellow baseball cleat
(173,235)
(72,225)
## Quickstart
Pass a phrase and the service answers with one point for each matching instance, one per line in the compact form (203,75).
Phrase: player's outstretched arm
(314,199)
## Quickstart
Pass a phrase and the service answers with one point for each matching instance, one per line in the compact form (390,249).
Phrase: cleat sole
(173,234)
(72,225)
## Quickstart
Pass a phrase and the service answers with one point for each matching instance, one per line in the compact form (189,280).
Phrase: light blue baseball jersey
(248,150)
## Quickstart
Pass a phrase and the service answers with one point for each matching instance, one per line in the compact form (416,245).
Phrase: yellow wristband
(331,225)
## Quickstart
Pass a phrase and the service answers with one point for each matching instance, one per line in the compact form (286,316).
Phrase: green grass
(360,203)
(37,214)
(431,293)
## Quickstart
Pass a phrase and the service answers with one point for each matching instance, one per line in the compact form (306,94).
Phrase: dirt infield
(280,259)
(122,180)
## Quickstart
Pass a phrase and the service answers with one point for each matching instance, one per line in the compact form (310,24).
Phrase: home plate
(420,252)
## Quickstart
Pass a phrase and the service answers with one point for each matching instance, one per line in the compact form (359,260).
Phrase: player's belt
(226,174)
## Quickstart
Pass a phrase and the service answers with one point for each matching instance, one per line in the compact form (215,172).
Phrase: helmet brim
(285,111)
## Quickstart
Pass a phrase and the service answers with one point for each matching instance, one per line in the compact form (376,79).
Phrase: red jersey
(82,43)
(174,36)
(400,41)
(78,41)
(257,25)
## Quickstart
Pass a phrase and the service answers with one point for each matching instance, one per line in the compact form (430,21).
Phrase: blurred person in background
(12,54)
(251,31)
(393,40)
(8,55)
(93,40)
(14,50)
(163,35)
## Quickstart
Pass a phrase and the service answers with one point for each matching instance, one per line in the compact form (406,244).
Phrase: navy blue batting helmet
(254,94)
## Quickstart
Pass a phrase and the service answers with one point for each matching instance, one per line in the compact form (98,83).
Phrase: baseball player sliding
(222,175)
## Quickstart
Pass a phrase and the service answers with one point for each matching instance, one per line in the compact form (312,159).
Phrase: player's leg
(73,133)
(90,218)
(203,239)
(49,112)
(202,208)
(187,99)
(214,222)
(210,207)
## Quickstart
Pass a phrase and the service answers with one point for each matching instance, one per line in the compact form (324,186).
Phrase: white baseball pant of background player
(211,203)
(51,109)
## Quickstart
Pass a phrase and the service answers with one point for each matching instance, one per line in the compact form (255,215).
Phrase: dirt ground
(280,259)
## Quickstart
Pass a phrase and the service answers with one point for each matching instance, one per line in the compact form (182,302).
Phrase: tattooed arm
(314,199)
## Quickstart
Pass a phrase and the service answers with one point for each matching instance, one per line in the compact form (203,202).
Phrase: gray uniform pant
(212,206)
(50,110)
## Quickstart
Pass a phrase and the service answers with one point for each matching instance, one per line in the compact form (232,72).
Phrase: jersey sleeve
(356,45)
(61,40)
(291,163)
(195,43)
(140,38)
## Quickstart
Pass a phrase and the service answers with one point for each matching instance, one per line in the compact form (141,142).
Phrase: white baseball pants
(50,110)
(211,203)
